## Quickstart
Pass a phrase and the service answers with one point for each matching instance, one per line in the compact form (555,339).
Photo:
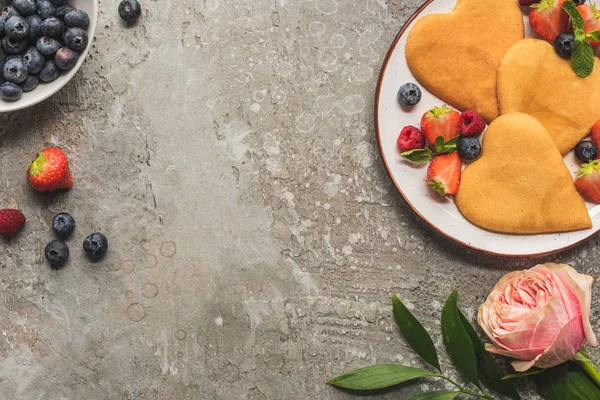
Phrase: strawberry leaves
(423,155)
(582,55)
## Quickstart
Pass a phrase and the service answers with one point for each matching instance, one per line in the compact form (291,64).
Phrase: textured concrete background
(227,150)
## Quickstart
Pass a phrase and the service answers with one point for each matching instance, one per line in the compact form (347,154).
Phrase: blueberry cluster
(38,40)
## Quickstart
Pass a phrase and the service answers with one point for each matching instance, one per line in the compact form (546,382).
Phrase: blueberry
(13,46)
(34,60)
(15,71)
(35,26)
(63,224)
(16,27)
(77,19)
(2,58)
(50,72)
(76,39)
(10,91)
(45,9)
(95,246)
(30,83)
(469,147)
(57,253)
(52,27)
(63,10)
(10,11)
(409,95)
(47,46)
(60,3)
(586,150)
(564,44)
(578,2)
(66,58)
(130,10)
(25,7)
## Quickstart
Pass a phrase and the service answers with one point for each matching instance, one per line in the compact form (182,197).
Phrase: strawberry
(588,180)
(11,221)
(49,171)
(596,133)
(440,121)
(591,18)
(443,174)
(548,19)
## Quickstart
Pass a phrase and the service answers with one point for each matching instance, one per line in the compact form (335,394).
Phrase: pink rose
(540,316)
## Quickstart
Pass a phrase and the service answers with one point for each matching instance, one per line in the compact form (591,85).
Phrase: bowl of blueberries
(43,43)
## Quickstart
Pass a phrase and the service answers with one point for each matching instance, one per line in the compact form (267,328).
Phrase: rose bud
(540,316)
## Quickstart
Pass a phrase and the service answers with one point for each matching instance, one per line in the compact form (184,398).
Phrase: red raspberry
(472,123)
(411,138)
(11,221)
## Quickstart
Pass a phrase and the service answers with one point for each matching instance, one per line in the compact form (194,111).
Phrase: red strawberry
(588,180)
(440,121)
(443,174)
(410,138)
(596,133)
(472,123)
(11,221)
(49,171)
(591,18)
(548,19)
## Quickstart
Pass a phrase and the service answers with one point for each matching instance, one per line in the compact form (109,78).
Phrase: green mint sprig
(582,54)
(423,155)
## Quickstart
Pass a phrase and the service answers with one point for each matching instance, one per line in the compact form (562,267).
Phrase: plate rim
(382,72)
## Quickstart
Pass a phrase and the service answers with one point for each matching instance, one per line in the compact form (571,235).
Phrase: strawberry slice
(548,19)
(596,133)
(443,174)
(588,180)
(440,121)
(591,20)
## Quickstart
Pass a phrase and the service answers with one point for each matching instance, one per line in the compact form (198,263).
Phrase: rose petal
(568,342)
(523,354)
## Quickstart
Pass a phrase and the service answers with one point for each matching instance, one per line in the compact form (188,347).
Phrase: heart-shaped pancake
(520,184)
(456,55)
(534,80)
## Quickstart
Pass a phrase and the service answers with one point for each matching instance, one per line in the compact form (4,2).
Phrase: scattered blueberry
(586,150)
(564,44)
(60,3)
(95,246)
(63,224)
(47,46)
(57,253)
(13,46)
(409,95)
(25,7)
(63,10)
(30,83)
(9,11)
(16,27)
(76,39)
(10,91)
(34,60)
(45,9)
(130,10)
(35,26)
(77,19)
(52,27)
(49,73)
(469,147)
(15,71)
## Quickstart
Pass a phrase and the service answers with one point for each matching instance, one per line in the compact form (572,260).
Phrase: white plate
(442,215)
(45,90)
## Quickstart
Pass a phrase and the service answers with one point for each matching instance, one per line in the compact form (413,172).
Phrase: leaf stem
(588,367)
(466,391)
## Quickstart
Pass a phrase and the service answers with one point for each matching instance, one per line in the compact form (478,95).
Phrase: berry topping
(588,180)
(591,20)
(440,121)
(469,147)
(564,44)
(471,123)
(586,150)
(443,174)
(548,19)
(410,138)
(409,95)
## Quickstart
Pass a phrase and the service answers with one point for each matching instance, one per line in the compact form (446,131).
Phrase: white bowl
(45,90)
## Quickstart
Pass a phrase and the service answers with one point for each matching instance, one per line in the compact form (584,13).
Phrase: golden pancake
(456,55)
(534,80)
(520,184)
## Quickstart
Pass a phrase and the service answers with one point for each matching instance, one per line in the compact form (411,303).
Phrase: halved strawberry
(440,121)
(548,19)
(596,133)
(443,174)
(588,180)
(591,18)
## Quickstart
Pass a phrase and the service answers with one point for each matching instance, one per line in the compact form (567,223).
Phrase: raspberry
(472,123)
(11,221)
(411,138)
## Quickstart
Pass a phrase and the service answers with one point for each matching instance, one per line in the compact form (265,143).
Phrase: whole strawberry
(49,171)
(11,221)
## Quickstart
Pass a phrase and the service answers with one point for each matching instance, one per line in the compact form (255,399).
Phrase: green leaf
(415,334)
(581,386)
(378,376)
(459,346)
(448,147)
(418,155)
(523,374)
(436,396)
(571,9)
(582,58)
(594,35)
(489,371)
(554,383)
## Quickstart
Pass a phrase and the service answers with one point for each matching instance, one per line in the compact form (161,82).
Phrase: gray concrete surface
(227,150)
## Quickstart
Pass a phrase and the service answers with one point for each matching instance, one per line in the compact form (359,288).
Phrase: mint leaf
(418,155)
(571,9)
(582,58)
(594,35)
(448,147)
(579,34)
